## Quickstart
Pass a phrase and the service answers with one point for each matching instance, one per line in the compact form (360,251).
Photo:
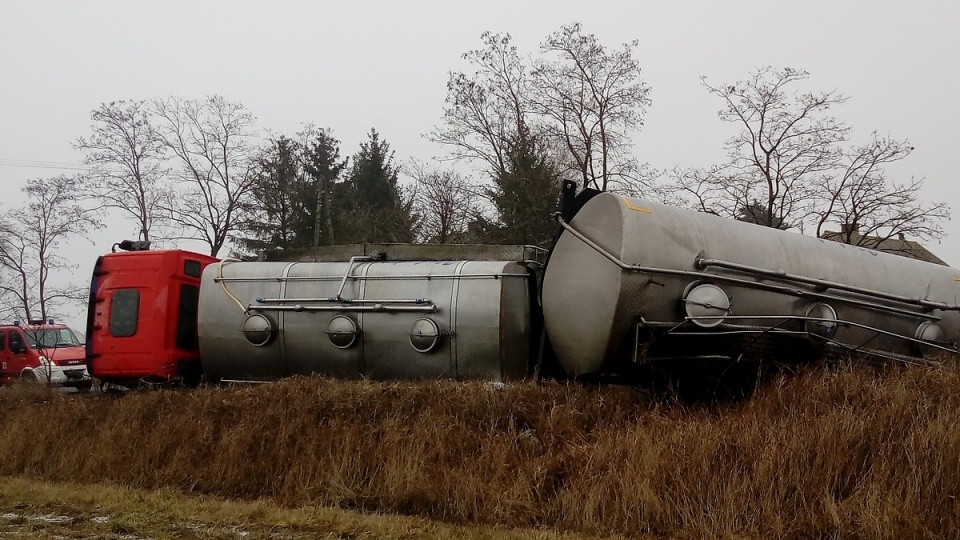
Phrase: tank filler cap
(424,335)
(342,332)
(821,320)
(927,332)
(258,329)
(705,304)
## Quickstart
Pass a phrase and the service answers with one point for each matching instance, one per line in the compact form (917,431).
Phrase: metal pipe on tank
(377,308)
(783,284)
(704,263)
(409,277)
(343,301)
(730,279)
(343,283)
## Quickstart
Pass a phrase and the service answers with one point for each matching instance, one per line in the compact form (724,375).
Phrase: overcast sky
(350,66)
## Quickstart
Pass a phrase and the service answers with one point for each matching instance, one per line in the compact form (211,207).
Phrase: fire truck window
(3,341)
(191,268)
(187,317)
(16,343)
(124,311)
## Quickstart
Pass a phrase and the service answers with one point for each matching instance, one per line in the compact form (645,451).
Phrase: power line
(4,162)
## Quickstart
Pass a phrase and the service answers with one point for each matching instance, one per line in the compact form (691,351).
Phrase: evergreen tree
(375,206)
(272,208)
(323,168)
(757,213)
(292,202)
(525,195)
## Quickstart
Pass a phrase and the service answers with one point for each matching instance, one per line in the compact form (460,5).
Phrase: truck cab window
(124,312)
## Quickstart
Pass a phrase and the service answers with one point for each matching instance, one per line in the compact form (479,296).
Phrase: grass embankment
(38,509)
(851,452)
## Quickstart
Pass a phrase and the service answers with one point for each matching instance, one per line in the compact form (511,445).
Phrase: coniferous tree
(376,207)
(273,206)
(524,195)
(293,201)
(321,157)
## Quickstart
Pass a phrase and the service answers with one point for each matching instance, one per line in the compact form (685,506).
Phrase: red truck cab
(44,352)
(142,316)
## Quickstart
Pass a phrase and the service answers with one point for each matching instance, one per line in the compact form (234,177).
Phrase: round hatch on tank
(705,304)
(342,331)
(424,335)
(258,329)
(928,332)
(821,320)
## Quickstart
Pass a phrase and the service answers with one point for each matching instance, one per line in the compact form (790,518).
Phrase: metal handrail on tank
(419,305)
(703,263)
(536,253)
(370,278)
(339,303)
(419,301)
(742,329)
(346,274)
(376,308)
(739,281)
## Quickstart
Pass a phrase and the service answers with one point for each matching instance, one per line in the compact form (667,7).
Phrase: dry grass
(846,452)
(41,509)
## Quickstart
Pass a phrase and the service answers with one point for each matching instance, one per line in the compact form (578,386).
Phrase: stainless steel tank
(630,281)
(411,319)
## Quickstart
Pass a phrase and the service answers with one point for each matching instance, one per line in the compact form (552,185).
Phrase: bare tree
(30,239)
(788,143)
(488,108)
(872,209)
(445,202)
(592,99)
(211,140)
(127,155)
(531,123)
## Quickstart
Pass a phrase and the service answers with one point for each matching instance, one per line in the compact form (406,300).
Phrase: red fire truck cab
(44,352)
(142,316)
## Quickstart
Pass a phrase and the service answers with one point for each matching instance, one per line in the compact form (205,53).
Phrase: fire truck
(44,352)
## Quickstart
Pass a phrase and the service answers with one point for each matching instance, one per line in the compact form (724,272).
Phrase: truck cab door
(5,372)
(18,357)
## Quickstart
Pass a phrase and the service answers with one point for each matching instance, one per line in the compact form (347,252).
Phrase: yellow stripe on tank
(631,206)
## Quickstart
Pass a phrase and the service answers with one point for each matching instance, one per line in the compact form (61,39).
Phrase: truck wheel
(84,386)
(29,377)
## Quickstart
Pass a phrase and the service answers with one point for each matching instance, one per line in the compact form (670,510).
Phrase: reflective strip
(635,208)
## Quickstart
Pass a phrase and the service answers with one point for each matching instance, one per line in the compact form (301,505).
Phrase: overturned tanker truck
(628,283)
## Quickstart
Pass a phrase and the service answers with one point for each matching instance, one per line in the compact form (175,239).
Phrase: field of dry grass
(831,451)
(39,509)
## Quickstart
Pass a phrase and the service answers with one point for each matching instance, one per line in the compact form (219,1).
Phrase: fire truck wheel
(29,377)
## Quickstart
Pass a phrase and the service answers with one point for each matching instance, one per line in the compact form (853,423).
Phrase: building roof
(897,246)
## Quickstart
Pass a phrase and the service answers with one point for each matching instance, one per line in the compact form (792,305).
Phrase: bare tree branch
(127,155)
(210,139)
(30,238)
(787,144)
(872,209)
(445,202)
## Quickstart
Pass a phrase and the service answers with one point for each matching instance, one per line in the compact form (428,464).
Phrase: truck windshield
(51,338)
